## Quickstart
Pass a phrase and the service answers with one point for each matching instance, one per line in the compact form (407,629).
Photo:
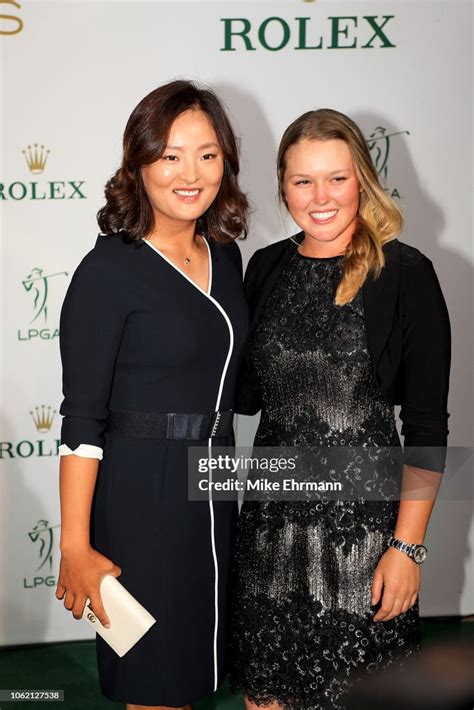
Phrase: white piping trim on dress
(209,285)
(209,443)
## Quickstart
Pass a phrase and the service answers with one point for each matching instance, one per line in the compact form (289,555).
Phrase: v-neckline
(206,292)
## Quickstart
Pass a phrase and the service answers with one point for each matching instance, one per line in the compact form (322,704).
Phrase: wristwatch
(416,552)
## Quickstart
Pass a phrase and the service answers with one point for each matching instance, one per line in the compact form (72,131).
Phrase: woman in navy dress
(152,330)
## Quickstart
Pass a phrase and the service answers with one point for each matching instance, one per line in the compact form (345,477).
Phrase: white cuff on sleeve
(87,451)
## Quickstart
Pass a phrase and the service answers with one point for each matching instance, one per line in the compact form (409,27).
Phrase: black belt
(150,425)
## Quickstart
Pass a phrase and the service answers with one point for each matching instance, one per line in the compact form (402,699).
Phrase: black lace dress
(302,621)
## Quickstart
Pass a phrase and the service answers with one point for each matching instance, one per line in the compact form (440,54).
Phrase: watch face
(420,554)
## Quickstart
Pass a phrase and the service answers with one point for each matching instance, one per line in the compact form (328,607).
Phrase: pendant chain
(187,260)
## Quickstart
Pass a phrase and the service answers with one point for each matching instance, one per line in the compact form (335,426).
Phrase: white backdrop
(71,72)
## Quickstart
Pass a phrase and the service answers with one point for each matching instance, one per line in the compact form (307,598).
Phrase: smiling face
(183,183)
(322,191)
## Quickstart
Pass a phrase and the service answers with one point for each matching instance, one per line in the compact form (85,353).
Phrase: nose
(320,195)
(189,171)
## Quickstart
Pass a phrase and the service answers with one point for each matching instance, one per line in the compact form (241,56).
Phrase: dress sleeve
(85,450)
(426,357)
(91,327)
(248,395)
(236,256)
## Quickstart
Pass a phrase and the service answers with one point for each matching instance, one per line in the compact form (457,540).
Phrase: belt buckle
(177,426)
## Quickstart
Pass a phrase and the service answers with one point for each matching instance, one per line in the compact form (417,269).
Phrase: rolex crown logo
(36,157)
(43,418)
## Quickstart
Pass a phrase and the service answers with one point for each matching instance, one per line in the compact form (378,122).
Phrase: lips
(188,195)
(323,217)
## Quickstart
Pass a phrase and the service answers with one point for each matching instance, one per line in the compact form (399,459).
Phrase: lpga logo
(42,535)
(379,144)
(37,284)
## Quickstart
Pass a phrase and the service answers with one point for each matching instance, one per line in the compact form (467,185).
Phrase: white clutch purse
(129,620)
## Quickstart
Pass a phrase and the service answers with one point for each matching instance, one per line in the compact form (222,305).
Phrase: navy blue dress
(138,335)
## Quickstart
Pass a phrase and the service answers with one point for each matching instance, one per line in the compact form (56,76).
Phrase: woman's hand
(399,577)
(80,574)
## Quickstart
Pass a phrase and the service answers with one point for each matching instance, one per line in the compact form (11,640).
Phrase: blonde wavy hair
(379,218)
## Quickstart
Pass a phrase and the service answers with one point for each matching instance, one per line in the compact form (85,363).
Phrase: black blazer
(408,334)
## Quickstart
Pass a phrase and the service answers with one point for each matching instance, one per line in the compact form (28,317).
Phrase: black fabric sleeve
(91,327)
(253,280)
(248,396)
(424,375)
(236,256)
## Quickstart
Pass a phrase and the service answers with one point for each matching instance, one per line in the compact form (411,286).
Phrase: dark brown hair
(379,218)
(127,206)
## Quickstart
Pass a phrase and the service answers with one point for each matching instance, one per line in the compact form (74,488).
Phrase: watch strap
(406,547)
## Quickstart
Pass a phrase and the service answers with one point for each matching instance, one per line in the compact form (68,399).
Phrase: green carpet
(72,667)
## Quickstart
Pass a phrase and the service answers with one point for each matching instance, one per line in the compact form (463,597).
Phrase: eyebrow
(333,172)
(201,147)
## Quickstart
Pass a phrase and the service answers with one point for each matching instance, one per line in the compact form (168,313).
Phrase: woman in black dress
(152,329)
(346,321)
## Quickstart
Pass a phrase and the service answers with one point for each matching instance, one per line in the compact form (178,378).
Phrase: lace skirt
(302,629)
